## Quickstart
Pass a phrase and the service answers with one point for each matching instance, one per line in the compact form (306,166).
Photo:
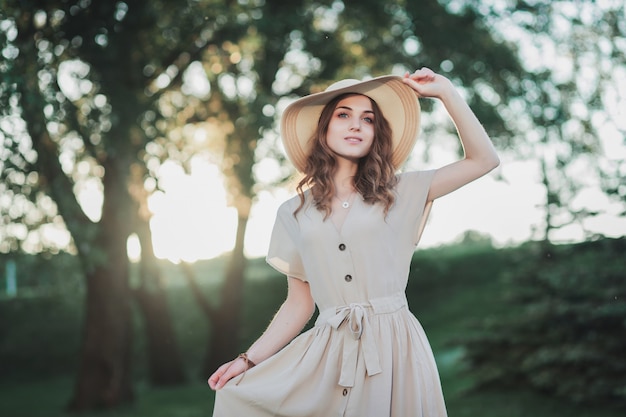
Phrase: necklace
(347,202)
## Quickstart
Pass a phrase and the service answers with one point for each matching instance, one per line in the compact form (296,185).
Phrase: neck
(343,185)
(346,166)
(344,177)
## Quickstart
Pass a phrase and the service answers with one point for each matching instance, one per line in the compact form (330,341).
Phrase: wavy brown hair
(375,176)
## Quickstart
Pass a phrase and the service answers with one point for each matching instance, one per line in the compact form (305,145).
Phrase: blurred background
(141,169)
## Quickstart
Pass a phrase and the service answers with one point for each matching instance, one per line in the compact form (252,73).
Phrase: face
(351,129)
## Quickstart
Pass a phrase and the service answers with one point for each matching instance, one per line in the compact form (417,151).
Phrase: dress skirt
(362,360)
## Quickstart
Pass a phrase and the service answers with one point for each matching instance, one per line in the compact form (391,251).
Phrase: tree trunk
(545,244)
(225,321)
(165,365)
(104,377)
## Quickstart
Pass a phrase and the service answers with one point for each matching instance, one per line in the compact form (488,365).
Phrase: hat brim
(397,101)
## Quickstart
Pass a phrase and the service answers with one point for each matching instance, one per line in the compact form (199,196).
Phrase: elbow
(309,308)
(494,162)
(486,165)
(491,161)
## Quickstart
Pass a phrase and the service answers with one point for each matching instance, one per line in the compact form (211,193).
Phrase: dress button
(345,392)
(342,246)
(348,278)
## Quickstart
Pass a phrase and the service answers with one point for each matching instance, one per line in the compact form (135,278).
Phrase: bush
(42,273)
(570,338)
(39,335)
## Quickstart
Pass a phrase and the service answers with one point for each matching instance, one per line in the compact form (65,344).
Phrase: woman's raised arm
(480,154)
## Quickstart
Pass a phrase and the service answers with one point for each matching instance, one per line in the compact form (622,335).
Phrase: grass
(448,292)
(51,396)
(47,398)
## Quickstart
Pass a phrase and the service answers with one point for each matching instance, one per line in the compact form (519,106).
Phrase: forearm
(295,312)
(476,143)
(480,155)
(288,322)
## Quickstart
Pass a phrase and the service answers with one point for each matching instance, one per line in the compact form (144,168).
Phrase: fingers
(427,83)
(220,377)
(214,379)
(421,75)
(226,372)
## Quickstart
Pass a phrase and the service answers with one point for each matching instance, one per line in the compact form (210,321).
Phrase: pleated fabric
(367,355)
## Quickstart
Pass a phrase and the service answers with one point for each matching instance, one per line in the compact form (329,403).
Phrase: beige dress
(367,355)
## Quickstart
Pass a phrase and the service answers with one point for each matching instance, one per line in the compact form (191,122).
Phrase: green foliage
(569,338)
(43,273)
(39,335)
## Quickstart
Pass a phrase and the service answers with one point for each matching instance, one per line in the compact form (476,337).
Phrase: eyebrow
(351,109)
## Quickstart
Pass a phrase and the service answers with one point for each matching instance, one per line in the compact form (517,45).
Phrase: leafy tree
(112,54)
(567,116)
(569,337)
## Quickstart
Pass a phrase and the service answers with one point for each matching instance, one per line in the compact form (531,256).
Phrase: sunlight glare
(191,220)
(261,221)
(133,248)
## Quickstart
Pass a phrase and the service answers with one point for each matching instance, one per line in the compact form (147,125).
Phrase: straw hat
(397,101)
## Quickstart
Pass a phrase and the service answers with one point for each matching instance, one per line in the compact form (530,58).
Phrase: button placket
(345,399)
(347,277)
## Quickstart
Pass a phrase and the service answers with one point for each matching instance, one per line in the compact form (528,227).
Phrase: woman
(345,242)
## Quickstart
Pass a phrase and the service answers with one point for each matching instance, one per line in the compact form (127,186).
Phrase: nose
(355,124)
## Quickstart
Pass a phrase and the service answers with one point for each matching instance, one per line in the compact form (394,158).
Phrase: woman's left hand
(227,372)
(427,83)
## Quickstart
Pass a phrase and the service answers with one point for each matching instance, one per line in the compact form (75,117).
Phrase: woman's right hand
(227,372)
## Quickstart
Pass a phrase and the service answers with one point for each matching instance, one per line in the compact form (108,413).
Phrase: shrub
(570,338)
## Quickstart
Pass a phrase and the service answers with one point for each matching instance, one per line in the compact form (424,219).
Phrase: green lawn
(47,398)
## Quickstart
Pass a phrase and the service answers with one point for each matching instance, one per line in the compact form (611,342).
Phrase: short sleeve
(413,207)
(283,253)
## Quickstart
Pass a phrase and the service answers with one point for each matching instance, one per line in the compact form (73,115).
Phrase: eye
(342,114)
(369,120)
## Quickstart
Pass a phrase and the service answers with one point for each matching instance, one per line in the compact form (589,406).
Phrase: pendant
(345,204)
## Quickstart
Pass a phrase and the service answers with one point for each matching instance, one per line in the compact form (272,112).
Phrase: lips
(353,139)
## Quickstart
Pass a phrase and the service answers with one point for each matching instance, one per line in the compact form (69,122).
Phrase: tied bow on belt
(358,335)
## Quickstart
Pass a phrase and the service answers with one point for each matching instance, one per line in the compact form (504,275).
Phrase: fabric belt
(357,332)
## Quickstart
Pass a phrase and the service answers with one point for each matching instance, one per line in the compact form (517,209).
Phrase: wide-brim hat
(398,102)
